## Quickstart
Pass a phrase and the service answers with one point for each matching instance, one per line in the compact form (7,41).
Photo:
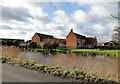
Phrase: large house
(39,38)
(74,40)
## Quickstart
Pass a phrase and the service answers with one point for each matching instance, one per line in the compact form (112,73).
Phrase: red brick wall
(71,40)
(36,39)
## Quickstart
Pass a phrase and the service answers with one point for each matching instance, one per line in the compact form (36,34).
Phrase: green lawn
(23,44)
(96,51)
(105,51)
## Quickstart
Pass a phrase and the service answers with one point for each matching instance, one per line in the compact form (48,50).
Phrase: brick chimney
(71,30)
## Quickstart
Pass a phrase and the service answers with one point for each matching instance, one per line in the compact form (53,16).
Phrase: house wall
(36,39)
(89,46)
(80,42)
(71,40)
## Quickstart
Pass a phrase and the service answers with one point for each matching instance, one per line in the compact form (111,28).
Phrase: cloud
(5,27)
(61,17)
(67,19)
(39,4)
(74,21)
(80,16)
(93,21)
(39,16)
(15,14)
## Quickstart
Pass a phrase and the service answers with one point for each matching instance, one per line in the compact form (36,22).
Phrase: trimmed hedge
(72,74)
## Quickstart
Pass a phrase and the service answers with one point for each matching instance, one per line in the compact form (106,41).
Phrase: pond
(100,65)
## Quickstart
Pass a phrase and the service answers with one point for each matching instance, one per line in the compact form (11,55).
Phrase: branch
(114,16)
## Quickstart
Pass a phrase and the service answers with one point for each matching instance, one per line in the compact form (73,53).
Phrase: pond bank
(71,74)
(86,51)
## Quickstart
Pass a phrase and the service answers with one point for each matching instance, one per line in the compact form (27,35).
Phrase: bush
(33,45)
(16,43)
(2,42)
(9,42)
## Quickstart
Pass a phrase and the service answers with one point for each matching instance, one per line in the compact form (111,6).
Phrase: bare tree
(116,35)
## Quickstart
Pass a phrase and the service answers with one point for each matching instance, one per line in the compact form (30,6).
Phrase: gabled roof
(90,40)
(62,39)
(79,36)
(44,35)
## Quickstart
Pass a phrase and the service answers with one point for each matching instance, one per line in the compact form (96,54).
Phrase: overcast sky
(22,19)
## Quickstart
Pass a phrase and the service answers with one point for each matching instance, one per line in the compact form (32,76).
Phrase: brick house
(74,40)
(39,38)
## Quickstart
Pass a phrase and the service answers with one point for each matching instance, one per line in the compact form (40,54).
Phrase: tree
(2,42)
(51,43)
(62,45)
(54,44)
(9,42)
(116,35)
(44,45)
(33,45)
(16,43)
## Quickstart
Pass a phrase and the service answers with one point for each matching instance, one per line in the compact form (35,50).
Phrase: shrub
(16,43)
(9,42)
(33,45)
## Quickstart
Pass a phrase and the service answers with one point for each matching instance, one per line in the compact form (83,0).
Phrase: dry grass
(106,66)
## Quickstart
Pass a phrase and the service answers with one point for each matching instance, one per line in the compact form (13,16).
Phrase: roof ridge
(79,34)
(44,34)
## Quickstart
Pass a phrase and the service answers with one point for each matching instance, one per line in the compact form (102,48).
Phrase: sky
(20,19)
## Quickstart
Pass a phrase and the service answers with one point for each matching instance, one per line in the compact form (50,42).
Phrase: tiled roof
(90,40)
(62,39)
(78,35)
(44,35)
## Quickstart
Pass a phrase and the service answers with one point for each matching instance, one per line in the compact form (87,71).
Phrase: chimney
(71,30)
(95,37)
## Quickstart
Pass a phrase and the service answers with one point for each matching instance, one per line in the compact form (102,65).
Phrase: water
(100,65)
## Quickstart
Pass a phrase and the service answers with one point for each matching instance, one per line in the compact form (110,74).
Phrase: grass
(54,69)
(96,51)
(105,51)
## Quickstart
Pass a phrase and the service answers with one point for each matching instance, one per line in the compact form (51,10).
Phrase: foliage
(2,42)
(33,45)
(16,43)
(9,42)
(50,44)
